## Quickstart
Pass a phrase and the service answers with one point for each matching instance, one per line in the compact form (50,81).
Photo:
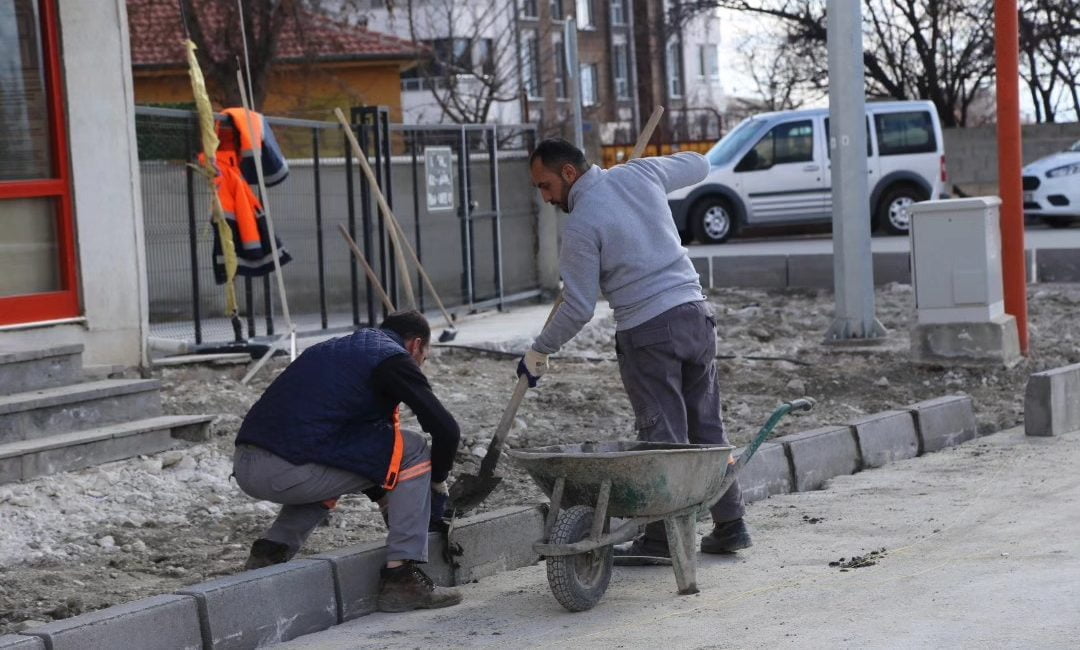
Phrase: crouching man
(329,425)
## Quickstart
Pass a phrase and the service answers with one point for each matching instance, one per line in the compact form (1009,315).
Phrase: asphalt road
(982,549)
(1036,236)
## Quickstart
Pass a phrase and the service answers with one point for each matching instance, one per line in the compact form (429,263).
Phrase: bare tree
(1050,55)
(786,73)
(471,58)
(214,27)
(940,50)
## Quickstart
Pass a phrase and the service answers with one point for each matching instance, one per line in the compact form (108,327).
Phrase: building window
(622,70)
(557,12)
(708,62)
(528,9)
(37,250)
(674,69)
(560,66)
(618,12)
(588,84)
(585,14)
(531,63)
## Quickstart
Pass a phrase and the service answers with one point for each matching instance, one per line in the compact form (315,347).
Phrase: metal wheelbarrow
(640,482)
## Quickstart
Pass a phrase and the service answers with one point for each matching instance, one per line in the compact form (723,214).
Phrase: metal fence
(486,203)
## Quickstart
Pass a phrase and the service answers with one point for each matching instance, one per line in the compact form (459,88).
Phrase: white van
(773,169)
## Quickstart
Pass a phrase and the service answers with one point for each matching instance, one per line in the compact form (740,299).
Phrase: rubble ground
(93,538)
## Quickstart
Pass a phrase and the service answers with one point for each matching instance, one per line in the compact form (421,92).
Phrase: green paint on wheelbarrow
(647,479)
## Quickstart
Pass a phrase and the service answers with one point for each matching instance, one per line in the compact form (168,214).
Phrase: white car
(773,169)
(1052,188)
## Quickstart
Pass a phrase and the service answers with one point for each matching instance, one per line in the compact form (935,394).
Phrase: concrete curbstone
(356,572)
(886,437)
(944,422)
(1057,265)
(766,474)
(810,271)
(165,622)
(818,455)
(1052,402)
(701,265)
(20,642)
(496,541)
(892,267)
(760,271)
(269,605)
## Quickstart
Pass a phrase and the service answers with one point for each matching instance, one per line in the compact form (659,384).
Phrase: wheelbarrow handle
(801,404)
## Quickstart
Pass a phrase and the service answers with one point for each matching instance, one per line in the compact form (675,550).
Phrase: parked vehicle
(773,169)
(1052,188)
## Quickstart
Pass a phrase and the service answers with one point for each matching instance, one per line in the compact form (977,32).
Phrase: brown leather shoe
(406,587)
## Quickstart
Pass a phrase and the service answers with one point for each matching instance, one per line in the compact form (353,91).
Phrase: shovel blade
(469,491)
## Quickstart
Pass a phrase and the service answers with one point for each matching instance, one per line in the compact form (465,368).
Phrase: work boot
(642,551)
(727,537)
(406,587)
(265,552)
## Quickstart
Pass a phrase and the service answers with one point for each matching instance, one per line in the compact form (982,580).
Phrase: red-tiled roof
(157,34)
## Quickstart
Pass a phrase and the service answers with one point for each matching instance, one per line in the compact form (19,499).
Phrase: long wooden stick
(383,205)
(646,133)
(368,271)
(390,215)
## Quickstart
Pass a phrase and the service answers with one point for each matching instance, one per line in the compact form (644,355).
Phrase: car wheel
(1058,222)
(893,214)
(713,220)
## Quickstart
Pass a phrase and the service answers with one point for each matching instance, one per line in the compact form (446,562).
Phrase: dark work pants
(301,489)
(668,367)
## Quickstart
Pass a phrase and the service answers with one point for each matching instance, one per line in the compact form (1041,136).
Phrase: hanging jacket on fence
(275,167)
(243,210)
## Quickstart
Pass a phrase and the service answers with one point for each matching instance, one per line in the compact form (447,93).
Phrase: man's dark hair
(408,324)
(553,153)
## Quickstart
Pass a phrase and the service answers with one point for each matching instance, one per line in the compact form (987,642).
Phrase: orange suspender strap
(394,471)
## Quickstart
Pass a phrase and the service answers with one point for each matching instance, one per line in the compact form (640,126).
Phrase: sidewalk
(982,549)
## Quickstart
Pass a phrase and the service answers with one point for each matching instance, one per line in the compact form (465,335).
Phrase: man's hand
(439,496)
(532,365)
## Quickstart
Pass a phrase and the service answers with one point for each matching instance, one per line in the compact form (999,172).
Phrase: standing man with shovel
(621,241)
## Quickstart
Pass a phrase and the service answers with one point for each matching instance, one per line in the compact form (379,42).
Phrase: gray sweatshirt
(620,240)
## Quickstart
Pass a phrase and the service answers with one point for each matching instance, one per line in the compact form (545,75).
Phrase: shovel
(470,490)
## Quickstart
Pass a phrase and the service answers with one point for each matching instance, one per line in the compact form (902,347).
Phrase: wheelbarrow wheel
(578,581)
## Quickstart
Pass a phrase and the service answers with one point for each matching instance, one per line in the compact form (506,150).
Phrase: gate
(460,193)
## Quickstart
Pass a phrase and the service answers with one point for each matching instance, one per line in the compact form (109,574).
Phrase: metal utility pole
(1010,184)
(853,267)
(573,74)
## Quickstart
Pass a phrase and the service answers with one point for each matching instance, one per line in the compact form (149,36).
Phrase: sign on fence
(439,174)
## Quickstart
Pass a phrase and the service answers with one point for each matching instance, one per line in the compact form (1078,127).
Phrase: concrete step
(27,459)
(26,370)
(49,411)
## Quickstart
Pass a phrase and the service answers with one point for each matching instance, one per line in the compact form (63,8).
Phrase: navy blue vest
(323,408)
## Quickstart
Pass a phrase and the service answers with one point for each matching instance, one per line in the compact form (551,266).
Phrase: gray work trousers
(301,489)
(668,367)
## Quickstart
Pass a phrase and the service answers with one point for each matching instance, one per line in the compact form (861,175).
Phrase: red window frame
(64,303)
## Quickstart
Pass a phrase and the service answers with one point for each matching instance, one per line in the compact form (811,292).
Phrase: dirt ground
(106,535)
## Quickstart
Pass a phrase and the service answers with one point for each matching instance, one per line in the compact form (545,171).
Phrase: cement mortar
(89,539)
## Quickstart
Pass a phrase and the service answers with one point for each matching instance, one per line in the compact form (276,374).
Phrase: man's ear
(569,172)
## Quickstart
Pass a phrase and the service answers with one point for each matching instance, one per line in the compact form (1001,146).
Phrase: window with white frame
(530,65)
(560,66)
(585,14)
(708,62)
(621,65)
(618,12)
(674,69)
(529,9)
(588,84)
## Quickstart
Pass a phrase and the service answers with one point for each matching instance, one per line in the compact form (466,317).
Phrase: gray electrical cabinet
(956,260)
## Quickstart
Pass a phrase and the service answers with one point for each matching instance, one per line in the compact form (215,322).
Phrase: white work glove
(532,365)
(440,488)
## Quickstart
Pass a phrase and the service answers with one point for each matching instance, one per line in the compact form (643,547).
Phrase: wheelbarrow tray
(648,479)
